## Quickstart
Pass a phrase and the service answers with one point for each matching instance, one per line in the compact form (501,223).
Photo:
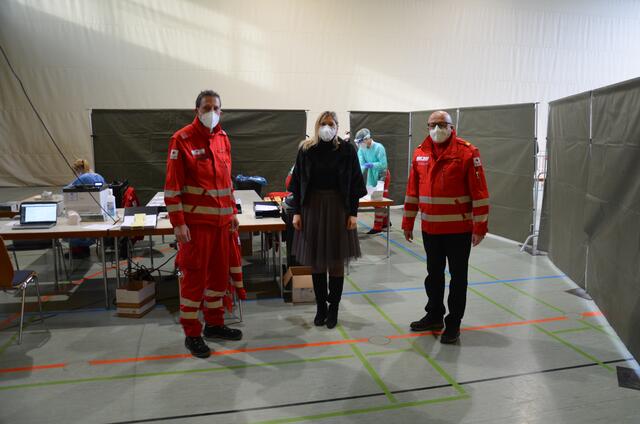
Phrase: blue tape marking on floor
(478,283)
(400,245)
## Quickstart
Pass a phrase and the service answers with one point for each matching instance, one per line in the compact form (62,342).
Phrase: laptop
(37,215)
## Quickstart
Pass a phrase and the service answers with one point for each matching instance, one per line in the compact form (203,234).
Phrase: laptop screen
(33,213)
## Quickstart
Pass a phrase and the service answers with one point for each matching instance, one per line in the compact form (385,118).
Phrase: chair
(30,245)
(17,281)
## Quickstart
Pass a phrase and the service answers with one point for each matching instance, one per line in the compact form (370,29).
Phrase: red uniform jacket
(198,187)
(450,192)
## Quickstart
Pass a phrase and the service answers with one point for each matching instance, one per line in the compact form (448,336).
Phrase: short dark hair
(205,93)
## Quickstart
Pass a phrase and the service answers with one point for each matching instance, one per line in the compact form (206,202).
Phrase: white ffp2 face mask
(439,135)
(327,132)
(209,120)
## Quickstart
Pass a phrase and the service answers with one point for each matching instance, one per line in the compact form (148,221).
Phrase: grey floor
(529,351)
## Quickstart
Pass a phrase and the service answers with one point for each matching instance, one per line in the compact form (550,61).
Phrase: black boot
(197,347)
(320,290)
(335,294)
(222,332)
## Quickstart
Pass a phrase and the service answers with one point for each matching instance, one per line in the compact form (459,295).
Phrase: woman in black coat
(327,185)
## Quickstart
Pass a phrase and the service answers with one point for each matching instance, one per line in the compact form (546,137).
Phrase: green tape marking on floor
(547,332)
(181,372)
(431,361)
(389,352)
(537,299)
(374,305)
(571,330)
(574,347)
(438,368)
(349,412)
(504,308)
(483,272)
(595,327)
(367,365)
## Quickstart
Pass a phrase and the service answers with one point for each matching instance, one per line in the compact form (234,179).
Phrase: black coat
(350,178)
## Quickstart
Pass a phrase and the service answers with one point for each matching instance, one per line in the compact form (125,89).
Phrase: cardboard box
(298,280)
(136,299)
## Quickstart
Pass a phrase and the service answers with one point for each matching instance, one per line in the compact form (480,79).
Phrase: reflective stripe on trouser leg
(191,294)
(217,279)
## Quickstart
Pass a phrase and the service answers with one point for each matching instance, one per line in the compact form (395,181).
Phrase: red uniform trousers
(208,262)
(381,218)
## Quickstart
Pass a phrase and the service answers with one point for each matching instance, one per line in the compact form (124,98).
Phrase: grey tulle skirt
(324,240)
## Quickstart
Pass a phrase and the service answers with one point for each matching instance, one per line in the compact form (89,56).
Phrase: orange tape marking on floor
(591,314)
(293,346)
(227,352)
(33,368)
(482,327)
(318,344)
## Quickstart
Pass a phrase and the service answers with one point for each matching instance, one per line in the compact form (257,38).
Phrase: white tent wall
(401,55)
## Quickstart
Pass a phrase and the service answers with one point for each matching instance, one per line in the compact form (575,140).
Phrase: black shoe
(384,227)
(374,231)
(321,315)
(427,323)
(222,332)
(197,347)
(332,315)
(450,336)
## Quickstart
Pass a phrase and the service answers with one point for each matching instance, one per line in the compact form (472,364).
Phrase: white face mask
(209,120)
(439,135)
(327,132)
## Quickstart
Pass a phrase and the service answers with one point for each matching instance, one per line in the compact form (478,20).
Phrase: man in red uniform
(199,198)
(447,186)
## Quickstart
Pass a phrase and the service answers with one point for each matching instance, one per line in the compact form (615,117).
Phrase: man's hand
(182,233)
(408,235)
(242,293)
(476,239)
(234,224)
(368,165)
(297,222)
(352,223)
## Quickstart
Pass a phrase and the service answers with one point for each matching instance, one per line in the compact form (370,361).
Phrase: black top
(346,171)
(325,161)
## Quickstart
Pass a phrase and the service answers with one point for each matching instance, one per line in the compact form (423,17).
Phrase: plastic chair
(17,281)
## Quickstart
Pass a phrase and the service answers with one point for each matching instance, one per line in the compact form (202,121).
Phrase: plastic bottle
(111,205)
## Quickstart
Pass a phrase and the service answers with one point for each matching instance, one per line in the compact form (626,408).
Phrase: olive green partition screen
(132,144)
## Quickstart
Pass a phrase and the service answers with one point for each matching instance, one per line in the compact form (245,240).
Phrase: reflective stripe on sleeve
(409,199)
(481,202)
(174,208)
(480,218)
(235,269)
(171,193)
(193,190)
(410,214)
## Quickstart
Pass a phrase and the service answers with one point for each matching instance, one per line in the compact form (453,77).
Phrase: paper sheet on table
(266,208)
(149,220)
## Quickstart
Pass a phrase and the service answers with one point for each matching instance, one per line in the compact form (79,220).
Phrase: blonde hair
(81,166)
(314,140)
